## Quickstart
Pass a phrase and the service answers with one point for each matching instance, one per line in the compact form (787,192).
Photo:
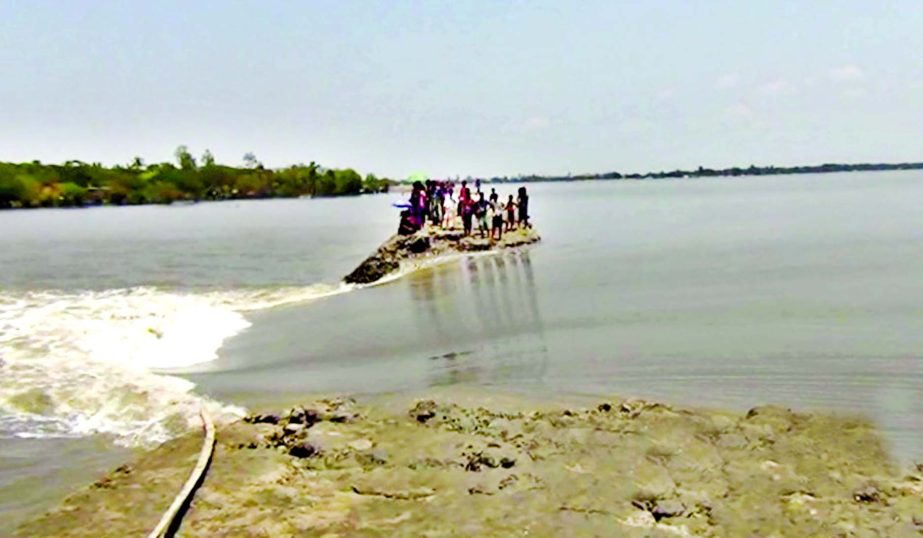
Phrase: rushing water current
(120,323)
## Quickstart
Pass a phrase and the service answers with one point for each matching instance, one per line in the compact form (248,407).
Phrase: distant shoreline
(735,171)
(77,184)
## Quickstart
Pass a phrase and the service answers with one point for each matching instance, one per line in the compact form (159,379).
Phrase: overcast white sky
(479,88)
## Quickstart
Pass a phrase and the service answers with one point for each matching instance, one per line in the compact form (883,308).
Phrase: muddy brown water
(803,291)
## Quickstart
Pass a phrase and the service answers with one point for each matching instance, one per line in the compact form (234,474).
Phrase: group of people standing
(435,202)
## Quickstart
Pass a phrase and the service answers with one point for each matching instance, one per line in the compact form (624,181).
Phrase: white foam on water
(94,362)
(251,300)
(99,362)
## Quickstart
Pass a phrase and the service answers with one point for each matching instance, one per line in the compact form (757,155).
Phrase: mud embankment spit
(430,244)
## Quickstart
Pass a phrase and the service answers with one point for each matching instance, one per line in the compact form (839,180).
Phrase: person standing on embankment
(510,214)
(523,203)
(481,213)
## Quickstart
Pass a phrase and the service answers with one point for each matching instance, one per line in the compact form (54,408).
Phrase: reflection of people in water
(530,286)
(481,323)
(423,288)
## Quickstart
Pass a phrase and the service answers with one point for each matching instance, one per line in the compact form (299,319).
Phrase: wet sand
(452,462)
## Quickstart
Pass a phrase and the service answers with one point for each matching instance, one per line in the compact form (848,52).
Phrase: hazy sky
(455,87)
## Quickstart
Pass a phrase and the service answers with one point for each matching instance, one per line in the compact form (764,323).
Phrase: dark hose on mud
(173,517)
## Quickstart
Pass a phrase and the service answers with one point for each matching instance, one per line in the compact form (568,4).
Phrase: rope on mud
(172,518)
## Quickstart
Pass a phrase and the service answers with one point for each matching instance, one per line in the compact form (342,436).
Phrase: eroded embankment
(431,243)
(448,467)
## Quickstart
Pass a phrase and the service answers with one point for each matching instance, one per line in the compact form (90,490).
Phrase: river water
(118,324)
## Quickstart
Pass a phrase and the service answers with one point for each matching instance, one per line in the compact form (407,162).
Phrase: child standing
(496,220)
(510,213)
(481,212)
(450,210)
(467,213)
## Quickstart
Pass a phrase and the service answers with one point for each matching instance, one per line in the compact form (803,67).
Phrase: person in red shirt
(510,208)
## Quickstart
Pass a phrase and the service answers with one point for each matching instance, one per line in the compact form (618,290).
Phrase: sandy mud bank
(444,466)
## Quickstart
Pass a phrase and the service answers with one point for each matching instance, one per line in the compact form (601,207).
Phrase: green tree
(12,189)
(208,159)
(217,181)
(326,184)
(185,159)
(18,189)
(373,184)
(186,181)
(161,192)
(250,184)
(71,194)
(348,181)
(250,161)
(75,172)
(34,184)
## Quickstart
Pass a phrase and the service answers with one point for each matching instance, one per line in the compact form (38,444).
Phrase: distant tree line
(710,172)
(75,183)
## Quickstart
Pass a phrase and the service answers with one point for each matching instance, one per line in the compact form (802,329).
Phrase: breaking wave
(98,362)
